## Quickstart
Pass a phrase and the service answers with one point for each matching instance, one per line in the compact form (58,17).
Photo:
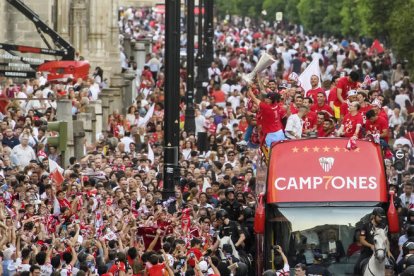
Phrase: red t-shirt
(325,108)
(269,118)
(344,109)
(313,93)
(309,121)
(116,268)
(197,254)
(363,110)
(332,95)
(377,127)
(219,96)
(383,115)
(345,84)
(350,124)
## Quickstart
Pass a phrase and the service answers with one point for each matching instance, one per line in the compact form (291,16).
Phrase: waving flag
(56,173)
(312,69)
(145,120)
(150,154)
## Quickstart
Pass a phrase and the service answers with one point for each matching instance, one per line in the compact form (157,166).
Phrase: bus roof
(323,170)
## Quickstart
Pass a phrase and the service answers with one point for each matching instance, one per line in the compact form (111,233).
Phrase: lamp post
(201,80)
(189,112)
(208,32)
(172,95)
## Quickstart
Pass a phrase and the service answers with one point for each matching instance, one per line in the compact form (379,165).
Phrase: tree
(273,6)
(320,16)
(401,38)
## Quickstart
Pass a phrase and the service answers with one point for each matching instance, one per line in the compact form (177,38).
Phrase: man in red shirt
(309,120)
(352,96)
(352,123)
(219,96)
(376,106)
(321,105)
(362,100)
(343,85)
(320,117)
(376,125)
(294,107)
(270,121)
(315,89)
(328,128)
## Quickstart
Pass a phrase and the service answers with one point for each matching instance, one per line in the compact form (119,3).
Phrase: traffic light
(60,139)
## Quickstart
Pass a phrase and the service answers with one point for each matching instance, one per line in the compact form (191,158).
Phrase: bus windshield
(331,231)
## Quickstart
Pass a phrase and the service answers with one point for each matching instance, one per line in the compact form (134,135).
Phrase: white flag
(312,69)
(150,154)
(145,120)
(56,207)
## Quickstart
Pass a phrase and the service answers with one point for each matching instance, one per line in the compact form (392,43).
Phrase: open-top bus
(317,195)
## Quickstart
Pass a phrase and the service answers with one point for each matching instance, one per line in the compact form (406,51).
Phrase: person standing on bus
(270,120)
(366,238)
(294,125)
(352,123)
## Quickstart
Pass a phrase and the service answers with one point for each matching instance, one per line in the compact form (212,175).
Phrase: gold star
(305,149)
(325,149)
(315,149)
(295,149)
(336,149)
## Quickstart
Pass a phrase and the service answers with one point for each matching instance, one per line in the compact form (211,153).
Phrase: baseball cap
(352,93)
(378,211)
(318,256)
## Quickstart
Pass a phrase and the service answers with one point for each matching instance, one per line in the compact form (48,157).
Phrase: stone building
(91,26)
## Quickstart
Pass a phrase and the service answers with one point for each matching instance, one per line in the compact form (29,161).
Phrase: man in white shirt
(215,72)
(294,124)
(200,122)
(407,198)
(23,153)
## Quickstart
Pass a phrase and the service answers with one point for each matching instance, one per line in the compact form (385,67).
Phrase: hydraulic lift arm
(66,50)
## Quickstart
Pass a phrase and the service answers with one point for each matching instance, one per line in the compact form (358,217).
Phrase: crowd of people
(107,216)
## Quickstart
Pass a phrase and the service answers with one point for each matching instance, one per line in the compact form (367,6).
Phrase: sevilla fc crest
(326,163)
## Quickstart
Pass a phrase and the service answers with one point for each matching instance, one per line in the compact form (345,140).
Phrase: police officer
(230,228)
(377,220)
(317,269)
(231,205)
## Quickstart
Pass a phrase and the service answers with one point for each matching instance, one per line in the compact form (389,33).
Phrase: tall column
(98,116)
(79,137)
(86,118)
(98,14)
(64,113)
(62,18)
(118,85)
(78,28)
(128,96)
(112,40)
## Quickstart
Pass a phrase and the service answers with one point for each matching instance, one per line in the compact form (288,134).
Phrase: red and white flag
(351,145)
(56,173)
(367,81)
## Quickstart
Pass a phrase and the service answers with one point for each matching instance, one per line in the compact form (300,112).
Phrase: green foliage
(321,16)
(398,26)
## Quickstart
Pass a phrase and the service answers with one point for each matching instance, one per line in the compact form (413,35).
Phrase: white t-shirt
(284,271)
(294,124)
